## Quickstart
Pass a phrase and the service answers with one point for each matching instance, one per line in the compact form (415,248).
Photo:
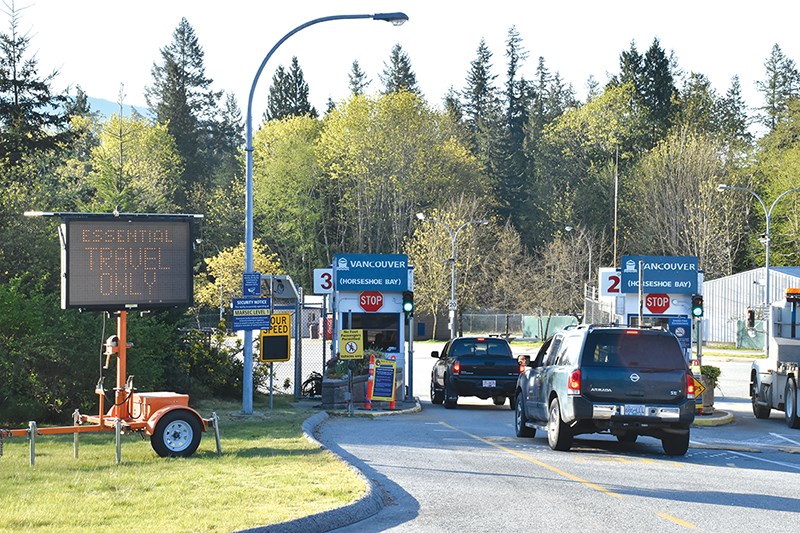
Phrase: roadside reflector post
(32,438)
(118,431)
(76,420)
(215,418)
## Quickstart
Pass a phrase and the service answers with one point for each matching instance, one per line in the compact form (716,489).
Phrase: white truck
(774,381)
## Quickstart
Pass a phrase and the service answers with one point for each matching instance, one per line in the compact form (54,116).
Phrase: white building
(726,300)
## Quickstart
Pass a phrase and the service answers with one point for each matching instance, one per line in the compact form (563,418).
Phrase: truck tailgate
(489,366)
(626,385)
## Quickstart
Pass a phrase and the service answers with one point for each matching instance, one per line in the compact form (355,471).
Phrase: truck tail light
(456,368)
(521,368)
(574,382)
(689,386)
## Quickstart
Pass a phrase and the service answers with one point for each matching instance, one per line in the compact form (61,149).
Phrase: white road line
(785,438)
(748,456)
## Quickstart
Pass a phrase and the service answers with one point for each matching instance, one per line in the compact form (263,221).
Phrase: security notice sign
(274,345)
(351,344)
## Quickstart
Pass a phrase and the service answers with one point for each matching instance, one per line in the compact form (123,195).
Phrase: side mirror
(435,354)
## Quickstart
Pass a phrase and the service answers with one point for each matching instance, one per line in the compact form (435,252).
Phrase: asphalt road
(463,470)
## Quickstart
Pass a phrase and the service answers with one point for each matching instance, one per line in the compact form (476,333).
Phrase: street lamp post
(453,305)
(396,19)
(768,216)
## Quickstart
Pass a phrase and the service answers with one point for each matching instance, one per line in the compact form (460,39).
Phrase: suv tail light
(574,382)
(522,368)
(689,386)
(457,367)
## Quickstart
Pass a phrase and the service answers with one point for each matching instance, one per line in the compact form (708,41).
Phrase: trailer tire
(177,434)
(759,411)
(790,409)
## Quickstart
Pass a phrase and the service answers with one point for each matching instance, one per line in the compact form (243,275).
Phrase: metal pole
(76,420)
(453,305)
(410,357)
(641,293)
(32,438)
(118,431)
(298,346)
(247,386)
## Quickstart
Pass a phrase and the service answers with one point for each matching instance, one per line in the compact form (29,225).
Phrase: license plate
(489,383)
(635,410)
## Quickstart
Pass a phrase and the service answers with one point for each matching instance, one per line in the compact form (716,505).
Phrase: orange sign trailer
(174,428)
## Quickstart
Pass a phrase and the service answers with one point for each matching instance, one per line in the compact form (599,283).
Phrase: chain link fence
(309,349)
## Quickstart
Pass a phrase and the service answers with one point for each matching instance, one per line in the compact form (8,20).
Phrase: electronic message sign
(114,263)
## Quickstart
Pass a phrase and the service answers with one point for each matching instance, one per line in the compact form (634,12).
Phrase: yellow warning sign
(275,341)
(351,344)
(699,389)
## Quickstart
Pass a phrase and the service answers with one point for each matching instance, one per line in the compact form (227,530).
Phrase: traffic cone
(370,383)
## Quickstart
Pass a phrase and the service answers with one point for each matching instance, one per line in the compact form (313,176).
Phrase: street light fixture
(396,19)
(768,216)
(589,245)
(453,304)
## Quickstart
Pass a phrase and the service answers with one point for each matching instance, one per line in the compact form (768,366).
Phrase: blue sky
(102,44)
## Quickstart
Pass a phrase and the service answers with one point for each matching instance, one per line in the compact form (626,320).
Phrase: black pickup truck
(474,366)
(606,379)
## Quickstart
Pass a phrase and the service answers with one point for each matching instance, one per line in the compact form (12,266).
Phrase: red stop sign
(656,303)
(370,301)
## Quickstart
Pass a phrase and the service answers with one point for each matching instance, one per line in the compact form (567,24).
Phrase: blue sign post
(370,272)
(662,274)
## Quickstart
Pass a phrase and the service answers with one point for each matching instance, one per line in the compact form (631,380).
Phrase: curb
(366,506)
(719,418)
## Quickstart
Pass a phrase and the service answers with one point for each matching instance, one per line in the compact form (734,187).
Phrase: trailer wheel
(759,411)
(790,409)
(177,434)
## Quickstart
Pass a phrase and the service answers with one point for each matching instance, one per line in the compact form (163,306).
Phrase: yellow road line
(539,463)
(560,472)
(678,521)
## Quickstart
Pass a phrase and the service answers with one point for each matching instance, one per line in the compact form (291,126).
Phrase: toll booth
(367,296)
(669,284)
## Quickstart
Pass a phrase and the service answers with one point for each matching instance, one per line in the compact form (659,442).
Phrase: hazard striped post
(391,402)
(370,383)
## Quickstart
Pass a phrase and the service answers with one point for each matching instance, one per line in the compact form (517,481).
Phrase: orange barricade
(370,383)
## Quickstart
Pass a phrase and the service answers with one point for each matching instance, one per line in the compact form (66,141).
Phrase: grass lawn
(268,473)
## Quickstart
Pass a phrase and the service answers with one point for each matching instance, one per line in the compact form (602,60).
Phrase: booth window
(381,330)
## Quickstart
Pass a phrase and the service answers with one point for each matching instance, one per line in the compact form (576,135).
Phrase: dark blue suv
(608,379)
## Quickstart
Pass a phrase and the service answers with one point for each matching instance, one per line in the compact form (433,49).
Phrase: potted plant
(710,377)
(336,381)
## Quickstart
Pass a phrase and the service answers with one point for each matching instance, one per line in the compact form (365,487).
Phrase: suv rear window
(639,350)
(481,346)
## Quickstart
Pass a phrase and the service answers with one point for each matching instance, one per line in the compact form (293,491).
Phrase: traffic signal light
(697,306)
(408,302)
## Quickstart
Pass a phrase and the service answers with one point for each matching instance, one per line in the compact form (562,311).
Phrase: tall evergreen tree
(698,105)
(358,80)
(480,94)
(512,182)
(658,90)
(288,94)
(781,84)
(181,97)
(33,120)
(398,74)
(733,120)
